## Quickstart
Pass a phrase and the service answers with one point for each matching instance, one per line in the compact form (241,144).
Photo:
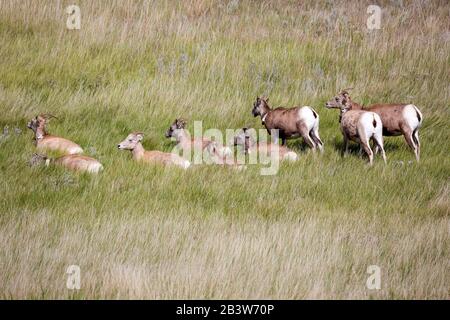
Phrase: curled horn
(346,90)
(181,121)
(48,116)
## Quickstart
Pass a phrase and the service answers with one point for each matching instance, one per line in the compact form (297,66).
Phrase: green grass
(140,231)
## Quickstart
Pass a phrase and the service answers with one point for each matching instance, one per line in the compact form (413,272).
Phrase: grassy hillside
(140,231)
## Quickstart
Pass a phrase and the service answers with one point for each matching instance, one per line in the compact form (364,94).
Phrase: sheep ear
(140,136)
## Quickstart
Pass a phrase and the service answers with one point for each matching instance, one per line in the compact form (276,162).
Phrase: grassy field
(140,231)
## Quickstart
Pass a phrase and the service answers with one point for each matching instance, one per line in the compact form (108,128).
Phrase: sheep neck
(138,151)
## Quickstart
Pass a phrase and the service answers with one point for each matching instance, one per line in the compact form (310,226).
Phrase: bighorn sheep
(244,139)
(398,119)
(178,131)
(73,162)
(133,143)
(218,157)
(360,126)
(291,123)
(45,141)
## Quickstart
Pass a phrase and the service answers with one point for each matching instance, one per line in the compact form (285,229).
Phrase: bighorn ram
(360,126)
(178,131)
(398,119)
(244,139)
(73,162)
(291,123)
(45,141)
(133,143)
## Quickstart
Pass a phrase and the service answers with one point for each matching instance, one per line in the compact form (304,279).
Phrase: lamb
(184,141)
(244,139)
(133,143)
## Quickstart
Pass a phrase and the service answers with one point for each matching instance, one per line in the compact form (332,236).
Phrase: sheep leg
(345,145)
(375,146)
(304,132)
(379,145)
(283,139)
(417,141)
(366,146)
(314,134)
(273,138)
(410,141)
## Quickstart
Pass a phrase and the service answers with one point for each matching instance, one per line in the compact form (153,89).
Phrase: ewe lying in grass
(133,143)
(45,141)
(184,141)
(74,162)
(249,144)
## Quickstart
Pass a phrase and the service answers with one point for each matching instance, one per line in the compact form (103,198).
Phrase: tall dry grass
(168,256)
